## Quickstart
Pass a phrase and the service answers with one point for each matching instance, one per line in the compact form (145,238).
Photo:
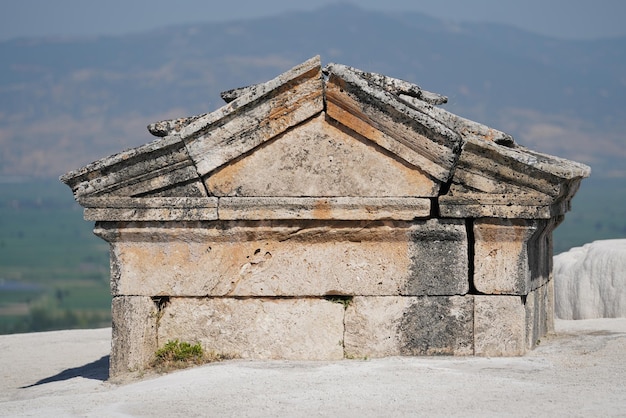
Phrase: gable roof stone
(478,171)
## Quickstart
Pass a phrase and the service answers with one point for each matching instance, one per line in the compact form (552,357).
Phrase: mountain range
(65,102)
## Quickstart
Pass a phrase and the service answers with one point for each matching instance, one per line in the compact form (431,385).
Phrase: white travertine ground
(579,371)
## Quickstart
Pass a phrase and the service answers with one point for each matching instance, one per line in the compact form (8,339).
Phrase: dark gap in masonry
(471,242)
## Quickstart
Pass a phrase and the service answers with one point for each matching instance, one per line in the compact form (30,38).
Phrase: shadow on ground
(97,370)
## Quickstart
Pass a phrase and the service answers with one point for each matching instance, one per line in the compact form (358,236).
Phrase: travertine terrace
(328,213)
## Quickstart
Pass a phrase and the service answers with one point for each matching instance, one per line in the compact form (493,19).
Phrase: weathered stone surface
(338,208)
(253,208)
(464,127)
(302,329)
(319,158)
(439,259)
(493,180)
(171,126)
(134,333)
(383,118)
(539,314)
(409,326)
(499,326)
(255,117)
(435,231)
(536,327)
(232,94)
(511,257)
(299,259)
(550,303)
(540,250)
(150,208)
(145,170)
(469,210)
(393,85)
(501,264)
(372,326)
(438,325)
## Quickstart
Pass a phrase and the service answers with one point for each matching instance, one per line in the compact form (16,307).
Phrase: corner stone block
(540,252)
(549,301)
(134,338)
(539,314)
(501,259)
(409,326)
(533,313)
(499,326)
(258,328)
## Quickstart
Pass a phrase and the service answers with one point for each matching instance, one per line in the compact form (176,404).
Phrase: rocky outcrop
(590,281)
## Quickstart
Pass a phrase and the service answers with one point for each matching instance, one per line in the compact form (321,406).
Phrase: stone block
(501,260)
(499,326)
(259,328)
(539,314)
(540,251)
(290,259)
(532,306)
(150,208)
(134,333)
(550,296)
(493,180)
(512,256)
(372,326)
(145,170)
(467,208)
(337,208)
(409,326)
(439,259)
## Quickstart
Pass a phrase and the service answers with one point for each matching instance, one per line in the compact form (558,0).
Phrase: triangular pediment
(321,158)
(313,141)
(192,151)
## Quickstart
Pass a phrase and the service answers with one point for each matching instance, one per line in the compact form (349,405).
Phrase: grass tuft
(177,354)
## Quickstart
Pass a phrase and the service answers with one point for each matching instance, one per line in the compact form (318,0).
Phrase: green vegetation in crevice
(177,354)
(344,300)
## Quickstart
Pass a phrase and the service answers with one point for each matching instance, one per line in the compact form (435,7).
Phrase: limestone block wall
(328,213)
(326,290)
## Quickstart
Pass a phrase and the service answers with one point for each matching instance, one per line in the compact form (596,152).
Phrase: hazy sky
(571,19)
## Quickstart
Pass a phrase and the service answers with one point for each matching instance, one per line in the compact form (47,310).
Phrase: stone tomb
(328,213)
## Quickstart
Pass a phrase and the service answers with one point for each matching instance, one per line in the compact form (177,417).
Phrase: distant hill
(66,102)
